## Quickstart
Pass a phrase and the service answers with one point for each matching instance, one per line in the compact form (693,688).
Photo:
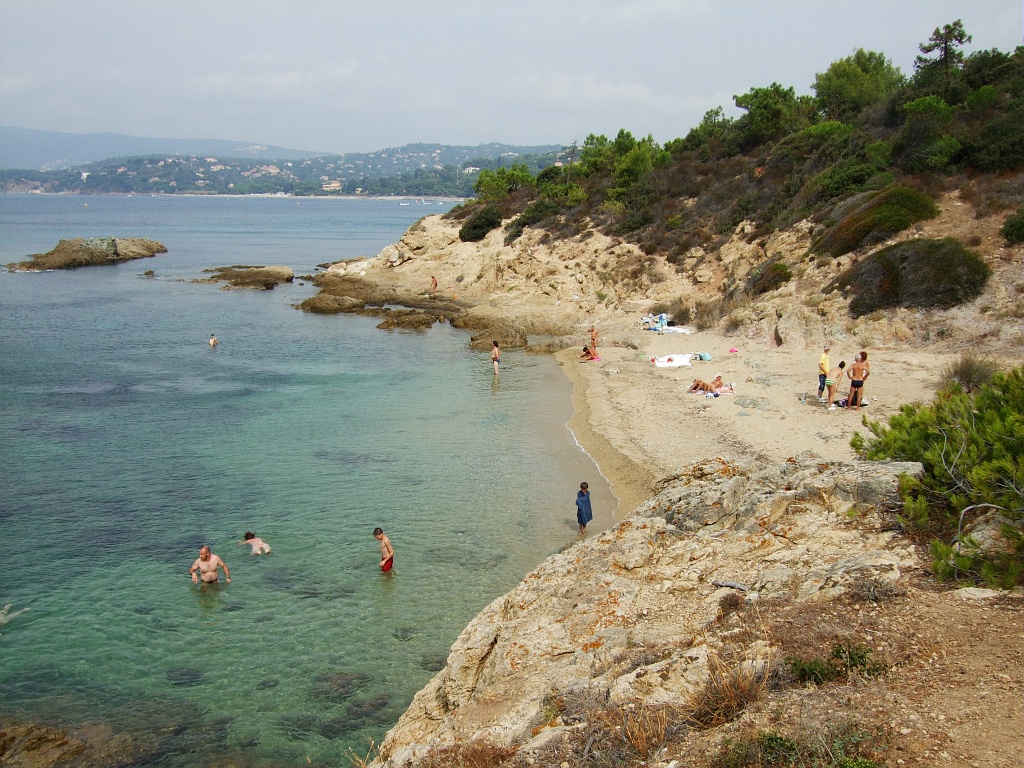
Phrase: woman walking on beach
(495,356)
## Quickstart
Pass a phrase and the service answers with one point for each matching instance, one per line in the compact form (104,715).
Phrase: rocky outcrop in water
(92,252)
(623,614)
(260,278)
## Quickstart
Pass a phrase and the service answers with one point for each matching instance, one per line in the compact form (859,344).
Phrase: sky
(357,76)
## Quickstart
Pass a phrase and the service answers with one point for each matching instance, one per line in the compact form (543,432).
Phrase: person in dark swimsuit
(856,373)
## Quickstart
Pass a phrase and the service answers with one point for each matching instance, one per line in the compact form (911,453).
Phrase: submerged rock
(96,251)
(185,677)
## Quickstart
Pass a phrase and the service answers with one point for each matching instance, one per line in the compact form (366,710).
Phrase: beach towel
(671,361)
(584,512)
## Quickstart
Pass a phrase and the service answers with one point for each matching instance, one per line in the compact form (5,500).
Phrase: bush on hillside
(1013,228)
(769,276)
(532,214)
(480,223)
(971,449)
(869,220)
(926,274)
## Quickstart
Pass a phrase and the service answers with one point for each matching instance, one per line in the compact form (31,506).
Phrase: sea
(127,442)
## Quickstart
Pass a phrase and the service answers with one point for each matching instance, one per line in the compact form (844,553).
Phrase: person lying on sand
(708,386)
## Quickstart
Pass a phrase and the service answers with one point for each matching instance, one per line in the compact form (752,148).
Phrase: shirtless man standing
(857,373)
(594,336)
(387,552)
(206,567)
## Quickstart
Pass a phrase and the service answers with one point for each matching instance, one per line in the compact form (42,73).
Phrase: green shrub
(769,276)
(972,449)
(927,274)
(480,223)
(999,146)
(844,659)
(532,214)
(865,221)
(845,744)
(1013,228)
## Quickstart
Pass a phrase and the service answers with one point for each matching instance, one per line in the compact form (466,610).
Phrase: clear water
(126,443)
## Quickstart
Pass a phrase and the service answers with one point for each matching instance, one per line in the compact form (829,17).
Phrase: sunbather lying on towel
(716,385)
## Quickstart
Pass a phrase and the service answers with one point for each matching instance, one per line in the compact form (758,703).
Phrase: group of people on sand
(830,378)
(714,387)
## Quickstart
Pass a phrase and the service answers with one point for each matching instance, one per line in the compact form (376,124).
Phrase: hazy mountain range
(28,149)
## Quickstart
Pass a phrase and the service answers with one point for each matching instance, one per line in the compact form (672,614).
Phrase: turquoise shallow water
(126,443)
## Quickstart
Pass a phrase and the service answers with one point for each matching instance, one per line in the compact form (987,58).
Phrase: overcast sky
(341,76)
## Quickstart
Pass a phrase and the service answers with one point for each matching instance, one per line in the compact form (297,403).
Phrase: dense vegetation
(927,274)
(971,443)
(865,156)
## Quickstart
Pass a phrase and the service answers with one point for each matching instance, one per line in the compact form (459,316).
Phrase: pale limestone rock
(578,619)
(703,276)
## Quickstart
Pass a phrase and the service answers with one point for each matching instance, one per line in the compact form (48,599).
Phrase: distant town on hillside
(412,170)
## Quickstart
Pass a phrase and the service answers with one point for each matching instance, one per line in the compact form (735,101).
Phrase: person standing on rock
(495,356)
(433,284)
(594,336)
(584,512)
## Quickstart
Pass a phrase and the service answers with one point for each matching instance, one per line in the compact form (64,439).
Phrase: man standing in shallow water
(206,566)
(387,552)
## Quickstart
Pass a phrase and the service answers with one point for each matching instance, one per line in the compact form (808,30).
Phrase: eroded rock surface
(260,278)
(92,252)
(806,529)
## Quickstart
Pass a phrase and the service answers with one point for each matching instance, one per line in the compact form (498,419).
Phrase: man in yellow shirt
(823,369)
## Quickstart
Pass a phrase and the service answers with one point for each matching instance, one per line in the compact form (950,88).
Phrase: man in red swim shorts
(387,552)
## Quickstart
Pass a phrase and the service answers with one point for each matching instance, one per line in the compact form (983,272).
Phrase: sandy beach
(640,424)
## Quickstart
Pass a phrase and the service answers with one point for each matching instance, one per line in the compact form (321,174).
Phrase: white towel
(671,361)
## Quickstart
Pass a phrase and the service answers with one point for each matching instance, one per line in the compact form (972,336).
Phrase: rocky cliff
(630,615)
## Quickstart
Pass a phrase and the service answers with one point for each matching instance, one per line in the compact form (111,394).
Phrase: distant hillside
(417,170)
(27,149)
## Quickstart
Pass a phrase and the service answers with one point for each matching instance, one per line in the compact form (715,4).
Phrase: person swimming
(259,546)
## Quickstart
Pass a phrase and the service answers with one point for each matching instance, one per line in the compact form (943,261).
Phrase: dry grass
(727,692)
(477,754)
(970,371)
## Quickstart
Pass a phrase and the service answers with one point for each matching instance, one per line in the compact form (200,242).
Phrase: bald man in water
(206,566)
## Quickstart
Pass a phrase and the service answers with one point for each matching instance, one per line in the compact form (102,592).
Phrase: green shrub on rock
(480,223)
(870,219)
(769,276)
(926,274)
